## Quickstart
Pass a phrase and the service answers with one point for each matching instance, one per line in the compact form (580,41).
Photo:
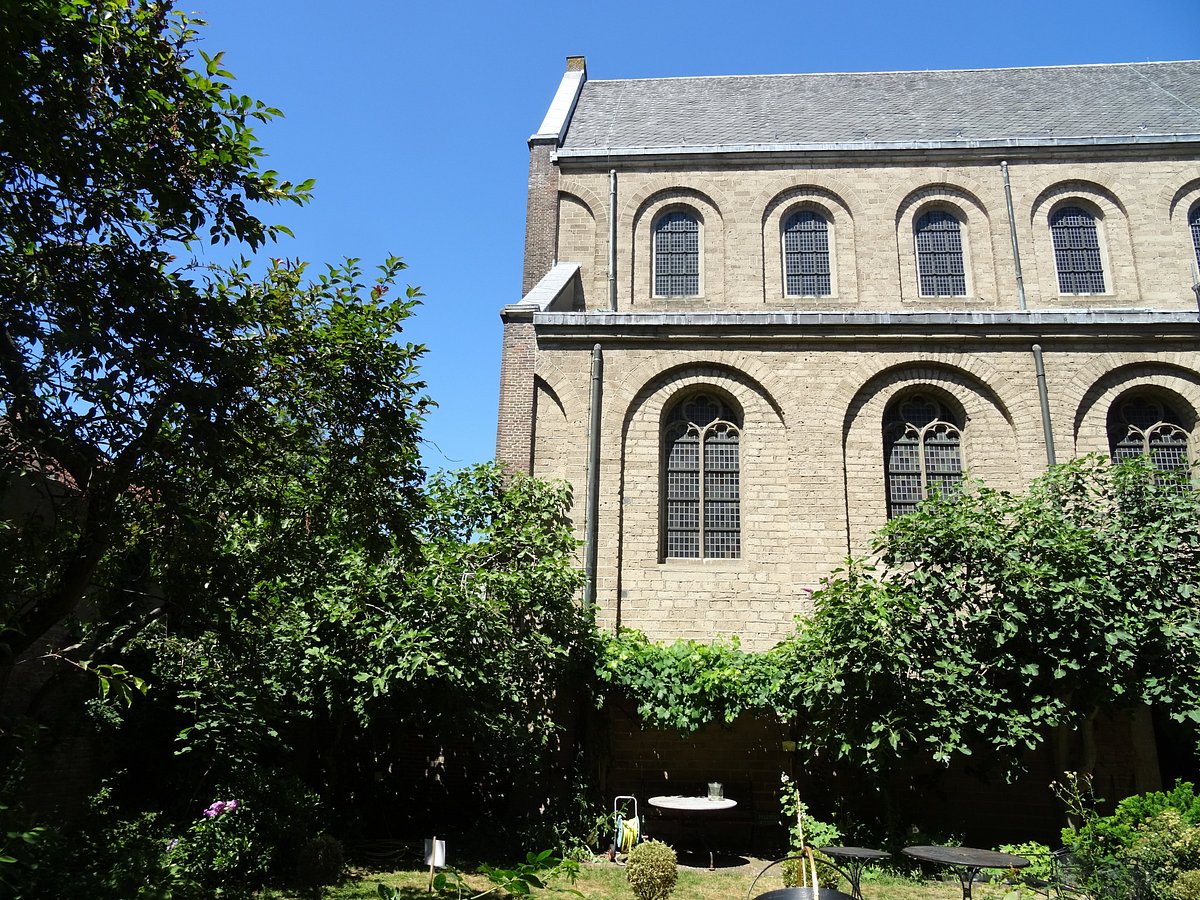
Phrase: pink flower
(220,806)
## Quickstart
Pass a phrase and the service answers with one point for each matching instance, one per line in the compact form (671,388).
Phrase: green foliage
(322,862)
(539,871)
(220,851)
(17,849)
(815,834)
(1041,862)
(1151,837)
(997,617)
(1186,885)
(687,684)
(1165,847)
(121,363)
(652,870)
(103,855)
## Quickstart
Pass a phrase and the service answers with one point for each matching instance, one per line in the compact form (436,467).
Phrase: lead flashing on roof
(996,143)
(562,107)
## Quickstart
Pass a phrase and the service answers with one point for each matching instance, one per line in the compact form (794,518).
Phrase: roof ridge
(1058,66)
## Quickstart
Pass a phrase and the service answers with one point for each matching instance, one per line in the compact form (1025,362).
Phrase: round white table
(686,805)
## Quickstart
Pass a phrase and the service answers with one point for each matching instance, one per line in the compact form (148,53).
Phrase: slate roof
(1129,102)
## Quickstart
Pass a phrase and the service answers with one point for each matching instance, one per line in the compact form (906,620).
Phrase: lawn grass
(602,880)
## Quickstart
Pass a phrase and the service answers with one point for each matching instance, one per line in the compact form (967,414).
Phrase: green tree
(342,659)
(998,618)
(129,374)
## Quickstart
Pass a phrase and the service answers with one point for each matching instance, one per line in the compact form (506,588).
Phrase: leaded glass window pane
(702,516)
(806,255)
(922,452)
(940,255)
(677,255)
(1077,251)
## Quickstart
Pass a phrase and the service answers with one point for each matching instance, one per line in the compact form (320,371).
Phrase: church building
(763,314)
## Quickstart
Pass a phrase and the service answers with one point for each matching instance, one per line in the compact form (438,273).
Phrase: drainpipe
(592,509)
(612,240)
(1012,233)
(1044,396)
(1038,365)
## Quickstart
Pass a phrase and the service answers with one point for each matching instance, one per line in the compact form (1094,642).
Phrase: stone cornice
(876,326)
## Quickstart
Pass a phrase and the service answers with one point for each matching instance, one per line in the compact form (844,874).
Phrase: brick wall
(514,426)
(541,213)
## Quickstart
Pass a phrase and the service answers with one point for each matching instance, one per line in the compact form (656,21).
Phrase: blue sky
(413,119)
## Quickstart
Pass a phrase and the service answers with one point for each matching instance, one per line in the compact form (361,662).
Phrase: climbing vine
(687,684)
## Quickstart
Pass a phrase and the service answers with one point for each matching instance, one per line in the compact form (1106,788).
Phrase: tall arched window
(1077,251)
(1142,425)
(806,255)
(702,501)
(1194,224)
(940,265)
(922,448)
(677,255)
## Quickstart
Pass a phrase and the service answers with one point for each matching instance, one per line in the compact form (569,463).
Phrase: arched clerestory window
(677,254)
(806,255)
(1194,224)
(702,474)
(1077,251)
(922,448)
(940,267)
(1141,424)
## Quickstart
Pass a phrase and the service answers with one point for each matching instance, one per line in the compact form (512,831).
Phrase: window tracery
(702,500)
(922,447)
(1142,425)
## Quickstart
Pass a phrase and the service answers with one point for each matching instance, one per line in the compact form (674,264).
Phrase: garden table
(689,806)
(966,861)
(854,858)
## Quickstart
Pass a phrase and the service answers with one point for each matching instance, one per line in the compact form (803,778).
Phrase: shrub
(321,863)
(1165,847)
(652,870)
(1186,885)
(1146,843)
(1041,862)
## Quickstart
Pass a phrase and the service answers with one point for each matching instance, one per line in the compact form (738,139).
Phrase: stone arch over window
(1078,260)
(922,448)
(1072,252)
(1144,422)
(940,258)
(701,477)
(637,258)
(676,253)
(941,266)
(1112,379)
(577,231)
(996,435)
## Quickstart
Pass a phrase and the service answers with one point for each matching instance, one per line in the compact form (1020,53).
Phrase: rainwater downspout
(1039,365)
(1012,233)
(591,512)
(612,240)
(1044,396)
